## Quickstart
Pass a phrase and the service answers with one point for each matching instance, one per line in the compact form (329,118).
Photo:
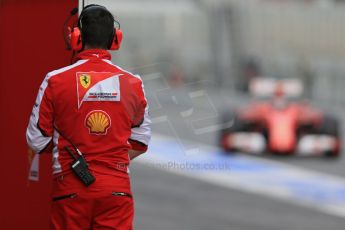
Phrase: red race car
(280,125)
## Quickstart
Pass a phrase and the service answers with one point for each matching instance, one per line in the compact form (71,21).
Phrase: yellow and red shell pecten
(98,122)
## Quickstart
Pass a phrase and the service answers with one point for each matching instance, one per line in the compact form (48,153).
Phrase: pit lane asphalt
(166,201)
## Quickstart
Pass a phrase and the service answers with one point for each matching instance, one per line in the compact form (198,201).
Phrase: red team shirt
(99,107)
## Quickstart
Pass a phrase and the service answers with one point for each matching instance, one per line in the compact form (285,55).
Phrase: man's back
(93,104)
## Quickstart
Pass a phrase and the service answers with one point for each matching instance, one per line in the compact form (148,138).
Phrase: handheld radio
(80,167)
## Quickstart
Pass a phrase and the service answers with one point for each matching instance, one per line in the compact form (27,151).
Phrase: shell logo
(98,122)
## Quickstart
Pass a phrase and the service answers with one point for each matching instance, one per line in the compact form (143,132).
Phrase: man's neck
(87,47)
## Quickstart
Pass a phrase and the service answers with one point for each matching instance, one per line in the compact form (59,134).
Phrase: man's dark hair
(97,27)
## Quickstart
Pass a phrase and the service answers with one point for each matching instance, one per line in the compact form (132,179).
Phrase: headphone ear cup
(76,41)
(115,45)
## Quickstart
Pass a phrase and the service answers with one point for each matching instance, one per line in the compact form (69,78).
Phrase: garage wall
(31,44)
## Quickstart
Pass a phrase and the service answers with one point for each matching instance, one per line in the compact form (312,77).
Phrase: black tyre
(331,126)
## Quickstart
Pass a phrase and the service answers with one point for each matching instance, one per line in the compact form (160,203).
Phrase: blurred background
(197,59)
(228,42)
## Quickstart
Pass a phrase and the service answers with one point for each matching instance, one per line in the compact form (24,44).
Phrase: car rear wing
(263,87)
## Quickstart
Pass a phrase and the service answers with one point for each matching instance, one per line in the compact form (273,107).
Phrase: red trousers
(96,210)
(106,204)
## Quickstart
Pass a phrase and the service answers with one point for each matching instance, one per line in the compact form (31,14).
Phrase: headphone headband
(77,32)
(90,8)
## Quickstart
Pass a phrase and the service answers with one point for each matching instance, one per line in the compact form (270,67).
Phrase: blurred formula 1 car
(280,125)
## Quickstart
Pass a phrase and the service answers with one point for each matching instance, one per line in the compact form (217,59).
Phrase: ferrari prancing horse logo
(85,80)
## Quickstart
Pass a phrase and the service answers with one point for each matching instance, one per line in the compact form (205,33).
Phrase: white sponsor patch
(103,87)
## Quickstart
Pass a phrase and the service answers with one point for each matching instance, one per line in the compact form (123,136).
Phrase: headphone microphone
(74,11)
(66,29)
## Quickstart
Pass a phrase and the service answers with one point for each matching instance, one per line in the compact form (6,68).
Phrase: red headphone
(76,42)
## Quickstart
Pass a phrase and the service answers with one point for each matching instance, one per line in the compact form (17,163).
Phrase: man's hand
(31,155)
(134,153)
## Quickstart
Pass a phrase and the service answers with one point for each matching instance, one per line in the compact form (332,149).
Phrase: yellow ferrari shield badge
(85,80)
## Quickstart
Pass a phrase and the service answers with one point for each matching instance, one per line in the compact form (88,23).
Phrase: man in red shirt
(100,109)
